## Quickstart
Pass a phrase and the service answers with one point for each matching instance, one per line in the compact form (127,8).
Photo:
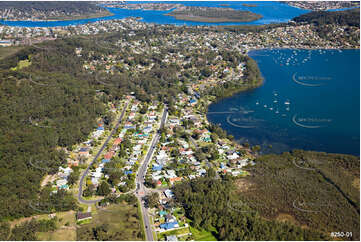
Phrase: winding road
(80,193)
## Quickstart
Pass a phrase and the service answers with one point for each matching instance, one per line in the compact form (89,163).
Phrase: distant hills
(349,17)
(49,10)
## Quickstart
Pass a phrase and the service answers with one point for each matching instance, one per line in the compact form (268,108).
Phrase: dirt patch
(22,220)
(48,178)
(356,183)
(243,185)
(284,217)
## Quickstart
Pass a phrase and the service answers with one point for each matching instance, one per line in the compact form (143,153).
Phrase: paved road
(80,193)
(141,190)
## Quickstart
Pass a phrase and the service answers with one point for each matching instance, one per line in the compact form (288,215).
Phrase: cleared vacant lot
(116,222)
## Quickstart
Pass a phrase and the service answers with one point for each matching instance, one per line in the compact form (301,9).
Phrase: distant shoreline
(66,18)
(259,84)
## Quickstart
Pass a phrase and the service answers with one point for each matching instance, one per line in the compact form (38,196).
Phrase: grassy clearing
(140,215)
(174,232)
(66,225)
(202,235)
(122,219)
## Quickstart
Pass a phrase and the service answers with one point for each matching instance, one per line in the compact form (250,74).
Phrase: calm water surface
(310,100)
(272,12)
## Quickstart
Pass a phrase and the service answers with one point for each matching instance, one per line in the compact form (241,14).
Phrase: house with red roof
(109,155)
(117,141)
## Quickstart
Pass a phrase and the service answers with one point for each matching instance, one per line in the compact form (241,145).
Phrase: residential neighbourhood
(188,144)
(175,158)
(298,36)
(178,122)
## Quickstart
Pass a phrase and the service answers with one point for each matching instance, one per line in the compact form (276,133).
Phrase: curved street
(80,193)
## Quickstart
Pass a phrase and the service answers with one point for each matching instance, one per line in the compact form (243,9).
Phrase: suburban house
(168,193)
(117,141)
(62,184)
(172,238)
(84,151)
(169,225)
(64,172)
(82,216)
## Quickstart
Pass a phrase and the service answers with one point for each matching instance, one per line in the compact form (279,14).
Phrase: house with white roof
(233,156)
(243,162)
(168,193)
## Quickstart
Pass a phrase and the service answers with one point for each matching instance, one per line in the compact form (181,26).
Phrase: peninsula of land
(213,14)
(323,5)
(50,11)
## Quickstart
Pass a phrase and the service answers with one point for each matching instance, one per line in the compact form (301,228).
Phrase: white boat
(271,109)
(265,106)
(287,102)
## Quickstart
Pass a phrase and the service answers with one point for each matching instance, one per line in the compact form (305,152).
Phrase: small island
(213,14)
(249,5)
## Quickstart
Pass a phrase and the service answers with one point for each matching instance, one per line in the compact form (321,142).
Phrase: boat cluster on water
(296,57)
(276,106)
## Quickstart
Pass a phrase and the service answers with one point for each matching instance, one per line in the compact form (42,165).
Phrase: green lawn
(174,232)
(202,235)
(141,220)
(66,229)
(122,218)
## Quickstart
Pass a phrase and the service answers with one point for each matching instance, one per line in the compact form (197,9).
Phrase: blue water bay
(310,99)
(272,12)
